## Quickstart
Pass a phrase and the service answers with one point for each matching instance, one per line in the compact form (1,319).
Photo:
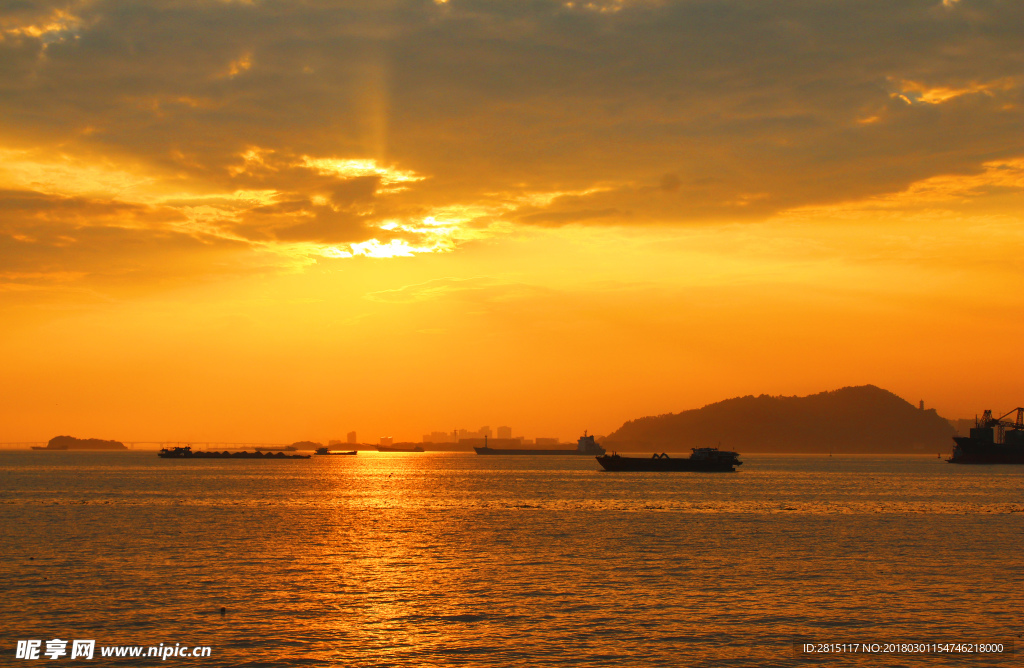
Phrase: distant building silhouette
(459,435)
(352,437)
(504,432)
(482,432)
(546,441)
(387,440)
(441,437)
(492,442)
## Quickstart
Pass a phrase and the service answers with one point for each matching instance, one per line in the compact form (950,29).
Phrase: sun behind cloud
(678,199)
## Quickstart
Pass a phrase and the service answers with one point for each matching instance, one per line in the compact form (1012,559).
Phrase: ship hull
(228,455)
(522,451)
(975,451)
(619,463)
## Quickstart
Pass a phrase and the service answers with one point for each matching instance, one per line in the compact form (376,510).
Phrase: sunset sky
(276,221)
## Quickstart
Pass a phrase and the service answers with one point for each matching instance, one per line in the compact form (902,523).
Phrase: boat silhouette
(992,441)
(325,451)
(186,452)
(701,459)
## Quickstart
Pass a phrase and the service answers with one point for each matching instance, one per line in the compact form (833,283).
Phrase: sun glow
(357,167)
(914,91)
(395,248)
(207,213)
(56,28)
(435,239)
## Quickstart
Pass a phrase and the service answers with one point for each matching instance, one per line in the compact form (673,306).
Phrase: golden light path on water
(443,559)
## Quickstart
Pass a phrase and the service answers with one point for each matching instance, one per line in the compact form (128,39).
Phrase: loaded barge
(187,453)
(325,451)
(701,459)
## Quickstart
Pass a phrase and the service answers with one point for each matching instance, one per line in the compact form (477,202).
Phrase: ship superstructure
(585,445)
(992,441)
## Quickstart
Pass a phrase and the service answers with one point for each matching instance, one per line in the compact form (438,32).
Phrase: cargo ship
(992,441)
(325,451)
(585,445)
(701,459)
(393,448)
(187,453)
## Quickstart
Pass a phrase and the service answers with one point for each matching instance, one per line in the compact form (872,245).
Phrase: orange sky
(278,221)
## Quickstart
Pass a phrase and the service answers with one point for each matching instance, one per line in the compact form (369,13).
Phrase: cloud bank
(134,134)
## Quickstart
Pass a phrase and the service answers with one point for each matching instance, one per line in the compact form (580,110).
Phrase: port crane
(1001,423)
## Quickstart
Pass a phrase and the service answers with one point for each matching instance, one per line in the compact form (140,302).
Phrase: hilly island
(864,419)
(72,443)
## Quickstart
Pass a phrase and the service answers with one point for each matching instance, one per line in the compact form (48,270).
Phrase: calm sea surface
(452,559)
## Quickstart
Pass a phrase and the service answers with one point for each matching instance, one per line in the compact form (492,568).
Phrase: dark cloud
(301,220)
(664,112)
(19,205)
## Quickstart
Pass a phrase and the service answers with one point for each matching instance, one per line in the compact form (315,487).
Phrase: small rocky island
(72,443)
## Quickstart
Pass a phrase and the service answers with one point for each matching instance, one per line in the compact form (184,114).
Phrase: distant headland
(850,420)
(864,419)
(72,443)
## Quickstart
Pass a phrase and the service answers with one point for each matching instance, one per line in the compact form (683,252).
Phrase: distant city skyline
(332,435)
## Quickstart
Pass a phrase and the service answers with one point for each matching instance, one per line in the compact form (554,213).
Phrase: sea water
(452,559)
